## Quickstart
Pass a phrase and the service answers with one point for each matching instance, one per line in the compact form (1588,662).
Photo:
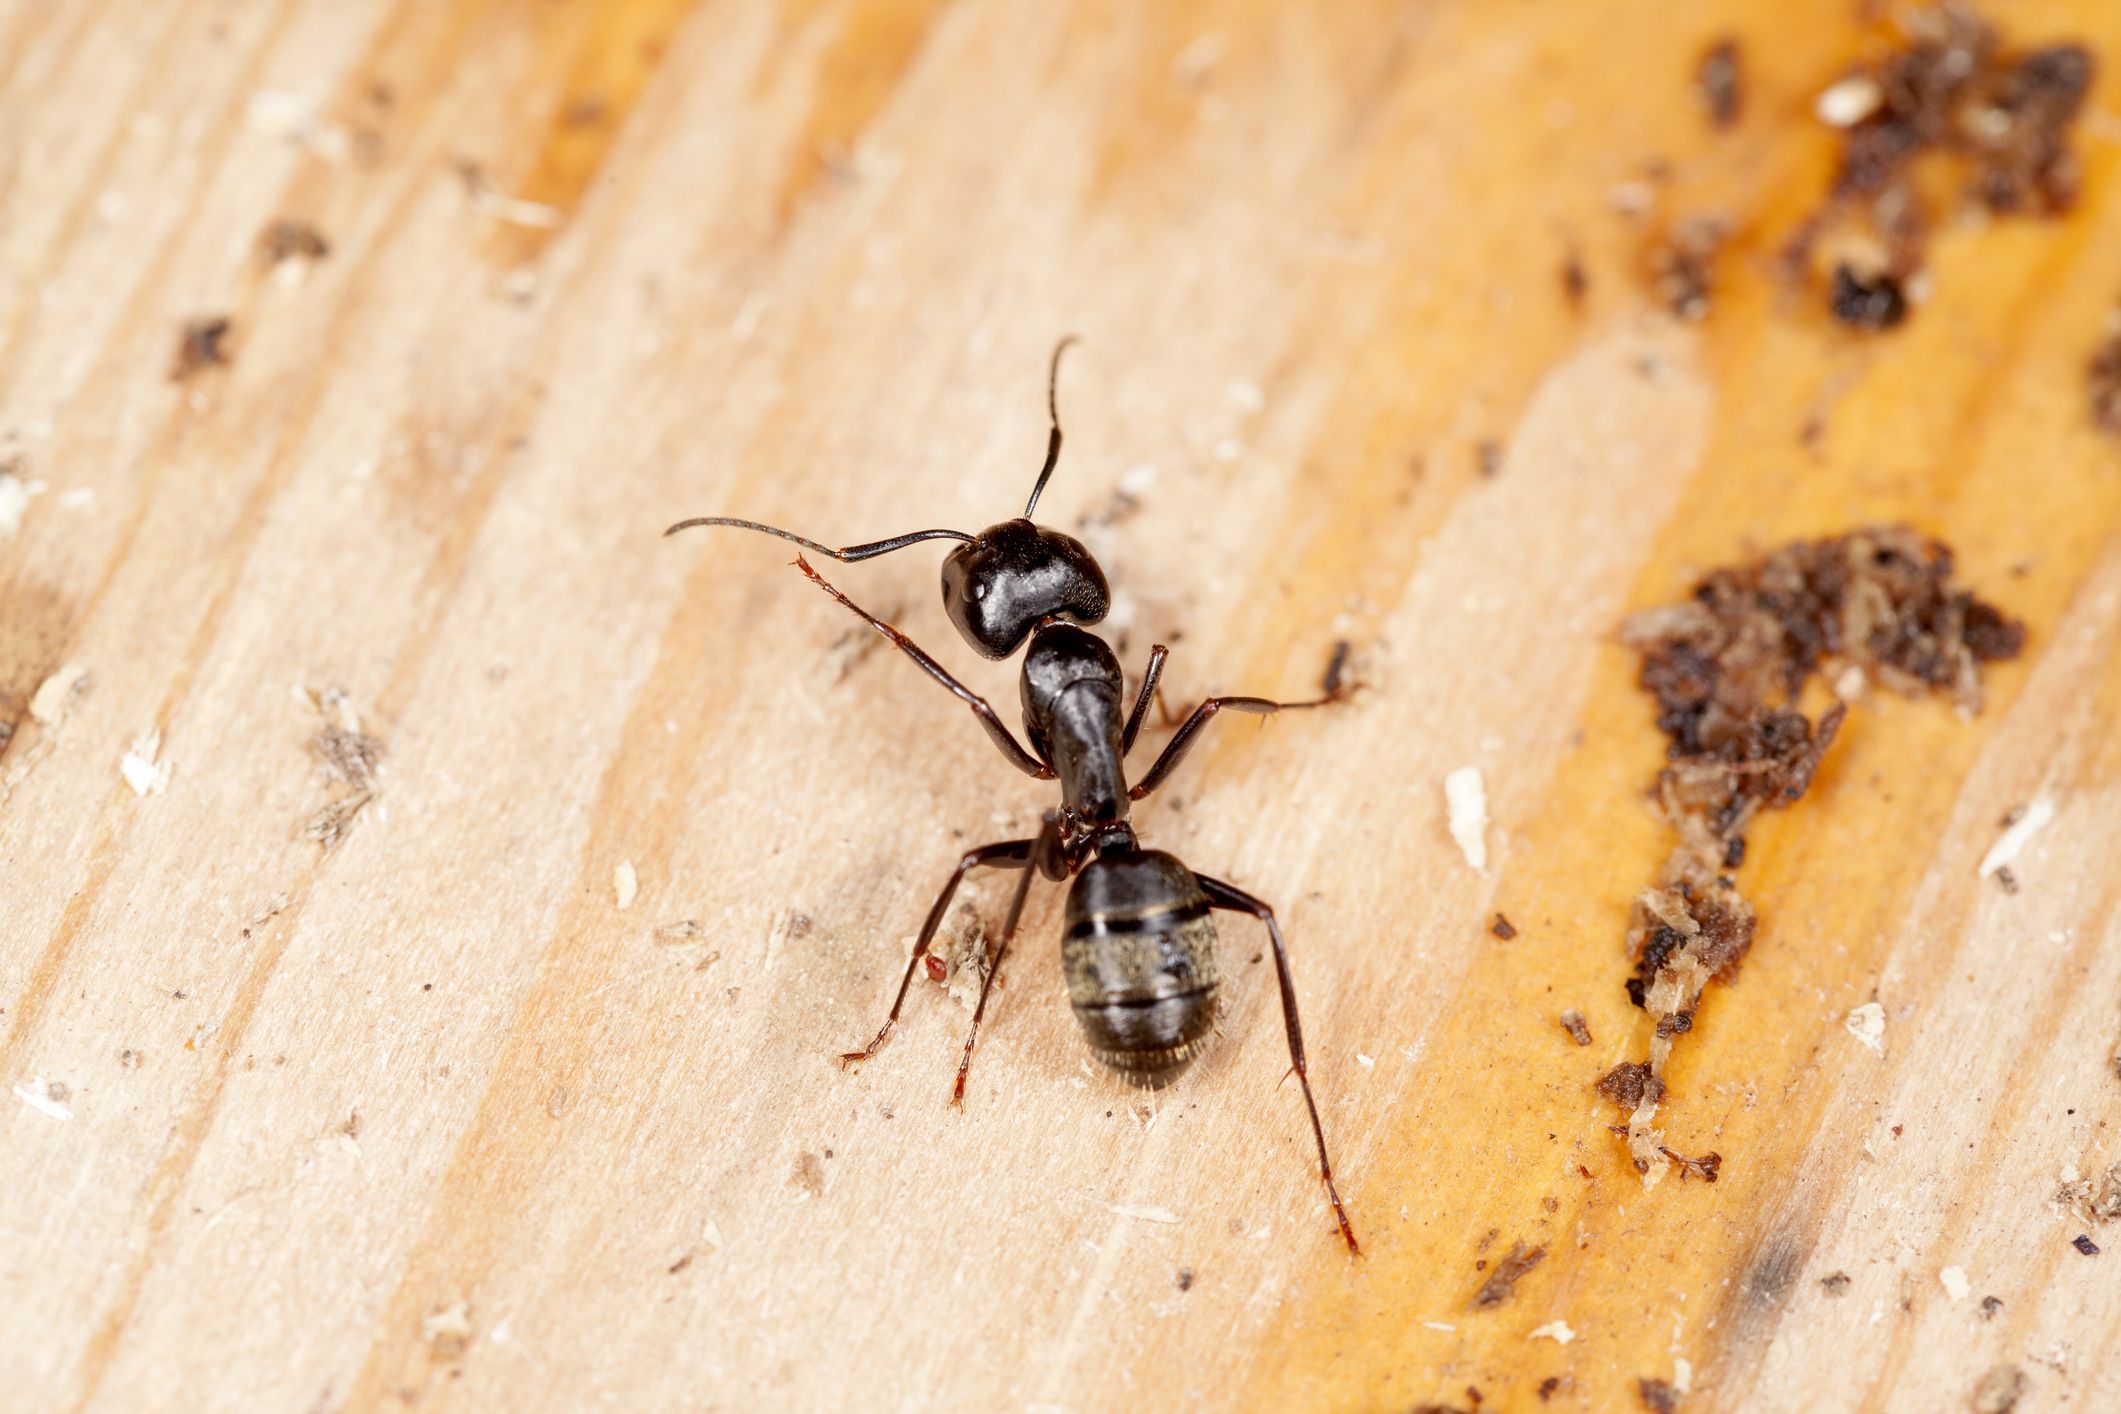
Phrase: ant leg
(1236,900)
(1020,758)
(1150,678)
(1042,851)
(1010,854)
(1179,745)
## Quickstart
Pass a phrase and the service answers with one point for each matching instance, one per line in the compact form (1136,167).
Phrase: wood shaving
(40,1097)
(138,765)
(447,1331)
(489,201)
(625,884)
(1956,1286)
(330,824)
(1867,1024)
(57,694)
(1466,803)
(2029,822)
(1556,1331)
(14,500)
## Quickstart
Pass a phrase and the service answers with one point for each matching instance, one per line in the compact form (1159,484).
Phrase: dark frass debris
(1680,266)
(201,344)
(1999,1391)
(1875,301)
(1501,1284)
(1719,81)
(285,240)
(2103,379)
(1575,280)
(1658,1396)
(1834,1283)
(1998,119)
(1579,1030)
(1503,928)
(1727,669)
(2083,1243)
(1336,668)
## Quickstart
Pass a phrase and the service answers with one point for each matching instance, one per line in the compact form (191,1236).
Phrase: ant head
(1004,582)
(1015,576)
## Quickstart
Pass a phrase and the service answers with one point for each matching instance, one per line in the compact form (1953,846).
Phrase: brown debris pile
(2102,378)
(1727,669)
(1950,87)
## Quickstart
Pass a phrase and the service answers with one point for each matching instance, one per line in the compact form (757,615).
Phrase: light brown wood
(429,1117)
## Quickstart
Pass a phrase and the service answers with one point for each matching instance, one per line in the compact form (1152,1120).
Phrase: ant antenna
(848,555)
(1053,440)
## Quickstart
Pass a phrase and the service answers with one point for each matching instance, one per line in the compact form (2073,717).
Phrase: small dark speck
(2007,879)
(680,1264)
(1256,957)
(1185,1278)
(178,994)
(1488,456)
(1575,280)
(1503,928)
(1835,1283)
(2085,1245)
(1990,1305)
(203,343)
(427,986)
(1875,303)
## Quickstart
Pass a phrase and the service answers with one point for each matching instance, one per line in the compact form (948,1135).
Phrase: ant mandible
(1139,951)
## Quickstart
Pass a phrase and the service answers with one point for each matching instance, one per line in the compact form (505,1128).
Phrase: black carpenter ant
(1139,953)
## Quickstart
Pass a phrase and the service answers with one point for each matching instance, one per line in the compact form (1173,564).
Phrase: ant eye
(979,589)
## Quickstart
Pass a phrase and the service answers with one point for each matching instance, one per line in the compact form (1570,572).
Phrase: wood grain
(427,1117)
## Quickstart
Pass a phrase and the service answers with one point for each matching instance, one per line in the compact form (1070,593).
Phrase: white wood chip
(1867,1024)
(1465,795)
(36,1096)
(1849,102)
(1556,1331)
(14,500)
(55,694)
(2037,817)
(625,883)
(139,767)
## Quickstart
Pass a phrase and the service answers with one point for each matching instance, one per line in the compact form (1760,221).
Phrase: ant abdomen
(1140,962)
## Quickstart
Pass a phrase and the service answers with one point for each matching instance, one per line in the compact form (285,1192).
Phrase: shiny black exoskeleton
(1139,952)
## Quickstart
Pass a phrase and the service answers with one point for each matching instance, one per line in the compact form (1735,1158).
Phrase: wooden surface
(428,1118)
